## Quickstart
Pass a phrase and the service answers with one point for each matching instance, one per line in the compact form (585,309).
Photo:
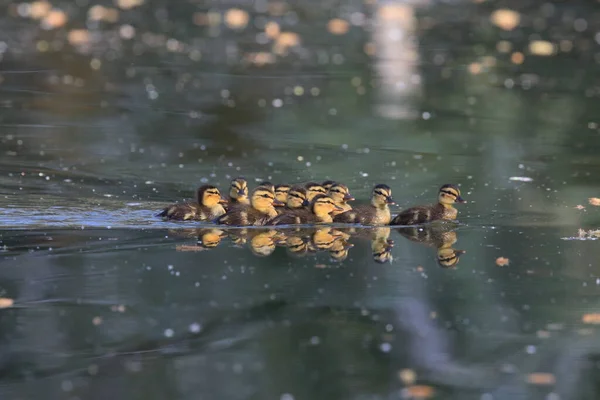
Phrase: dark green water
(111,302)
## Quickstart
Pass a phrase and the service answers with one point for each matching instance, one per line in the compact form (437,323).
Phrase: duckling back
(182,212)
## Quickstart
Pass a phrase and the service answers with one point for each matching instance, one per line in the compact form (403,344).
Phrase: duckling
(376,213)
(340,195)
(313,189)
(281,193)
(208,206)
(238,192)
(327,184)
(260,210)
(443,210)
(320,210)
(296,199)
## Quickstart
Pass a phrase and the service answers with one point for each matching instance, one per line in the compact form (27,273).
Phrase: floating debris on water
(520,179)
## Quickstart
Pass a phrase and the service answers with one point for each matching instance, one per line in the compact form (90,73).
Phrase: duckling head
(340,193)
(323,205)
(382,196)
(263,199)
(281,193)
(327,184)
(296,198)
(238,190)
(313,189)
(209,196)
(268,185)
(449,194)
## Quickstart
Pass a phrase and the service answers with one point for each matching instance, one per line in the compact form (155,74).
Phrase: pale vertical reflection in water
(102,126)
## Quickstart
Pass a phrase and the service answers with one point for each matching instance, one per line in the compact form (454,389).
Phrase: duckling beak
(338,208)
(277,203)
(223,201)
(348,246)
(305,203)
(390,200)
(241,192)
(347,197)
(460,200)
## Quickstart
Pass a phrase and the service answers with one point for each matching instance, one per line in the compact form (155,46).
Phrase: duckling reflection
(297,246)
(323,239)
(263,243)
(208,239)
(381,245)
(338,251)
(440,237)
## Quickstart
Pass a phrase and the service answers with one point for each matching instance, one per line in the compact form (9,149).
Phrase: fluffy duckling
(260,210)
(238,192)
(296,199)
(376,213)
(327,184)
(443,210)
(313,189)
(320,209)
(341,196)
(208,206)
(281,193)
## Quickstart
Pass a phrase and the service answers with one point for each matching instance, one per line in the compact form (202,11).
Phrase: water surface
(111,301)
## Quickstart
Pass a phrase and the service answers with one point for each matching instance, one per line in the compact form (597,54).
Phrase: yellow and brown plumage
(442,210)
(258,212)
(376,213)
(268,185)
(320,211)
(341,196)
(207,207)
(313,189)
(281,195)
(296,199)
(238,193)
(327,184)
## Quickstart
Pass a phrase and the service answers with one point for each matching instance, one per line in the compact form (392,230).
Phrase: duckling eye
(449,193)
(380,193)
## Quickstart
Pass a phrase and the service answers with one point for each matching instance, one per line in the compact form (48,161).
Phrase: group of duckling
(312,203)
